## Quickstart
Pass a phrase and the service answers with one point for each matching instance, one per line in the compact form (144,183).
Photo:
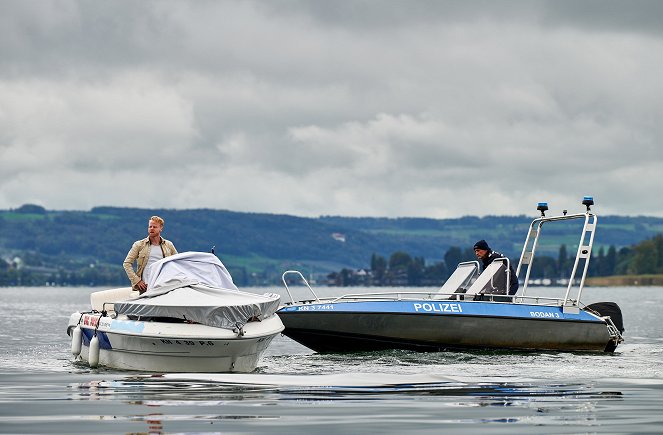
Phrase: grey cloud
(389,14)
(367,15)
(639,16)
(382,108)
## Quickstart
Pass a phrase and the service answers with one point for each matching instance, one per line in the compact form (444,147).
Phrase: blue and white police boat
(192,318)
(466,312)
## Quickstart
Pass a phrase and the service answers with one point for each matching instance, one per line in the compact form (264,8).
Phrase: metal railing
(420,295)
(296,272)
(584,252)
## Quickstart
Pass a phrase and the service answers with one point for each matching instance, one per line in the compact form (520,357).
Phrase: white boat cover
(197,287)
(186,268)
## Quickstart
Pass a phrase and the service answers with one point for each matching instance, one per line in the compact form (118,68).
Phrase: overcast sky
(355,108)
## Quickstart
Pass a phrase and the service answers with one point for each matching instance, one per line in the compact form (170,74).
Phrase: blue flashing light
(542,207)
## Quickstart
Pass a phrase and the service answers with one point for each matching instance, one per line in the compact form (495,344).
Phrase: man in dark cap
(487,256)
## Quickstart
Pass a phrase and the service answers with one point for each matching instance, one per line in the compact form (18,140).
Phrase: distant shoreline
(651,280)
(625,280)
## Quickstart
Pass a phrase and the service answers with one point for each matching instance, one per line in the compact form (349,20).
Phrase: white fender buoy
(93,355)
(76,340)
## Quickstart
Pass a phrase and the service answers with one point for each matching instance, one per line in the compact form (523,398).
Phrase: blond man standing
(147,251)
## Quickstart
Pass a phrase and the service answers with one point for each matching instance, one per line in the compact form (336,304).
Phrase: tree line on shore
(401,269)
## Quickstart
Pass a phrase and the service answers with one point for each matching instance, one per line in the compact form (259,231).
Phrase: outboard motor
(612,310)
(609,309)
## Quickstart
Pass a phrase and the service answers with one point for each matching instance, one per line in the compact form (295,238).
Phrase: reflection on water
(162,390)
(171,402)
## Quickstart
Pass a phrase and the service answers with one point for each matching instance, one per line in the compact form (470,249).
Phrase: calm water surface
(297,391)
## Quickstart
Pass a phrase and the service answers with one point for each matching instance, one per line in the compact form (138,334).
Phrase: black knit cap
(482,244)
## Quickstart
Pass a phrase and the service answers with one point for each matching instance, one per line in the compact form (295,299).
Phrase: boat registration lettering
(545,314)
(325,307)
(188,342)
(438,307)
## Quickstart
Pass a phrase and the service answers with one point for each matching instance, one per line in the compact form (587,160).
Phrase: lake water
(296,390)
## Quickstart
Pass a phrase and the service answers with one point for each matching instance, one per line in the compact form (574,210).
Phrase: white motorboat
(192,318)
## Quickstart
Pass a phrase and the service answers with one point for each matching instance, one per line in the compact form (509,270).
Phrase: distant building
(350,277)
(339,237)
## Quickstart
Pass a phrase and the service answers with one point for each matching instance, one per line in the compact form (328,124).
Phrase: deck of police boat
(465,313)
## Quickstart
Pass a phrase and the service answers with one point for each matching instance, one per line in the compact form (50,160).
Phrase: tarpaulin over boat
(186,268)
(197,287)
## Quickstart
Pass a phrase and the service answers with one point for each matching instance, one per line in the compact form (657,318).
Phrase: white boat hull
(175,347)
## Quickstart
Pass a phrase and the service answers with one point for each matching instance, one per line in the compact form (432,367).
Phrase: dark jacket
(500,278)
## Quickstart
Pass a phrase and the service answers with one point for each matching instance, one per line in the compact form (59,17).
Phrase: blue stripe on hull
(442,308)
(104,343)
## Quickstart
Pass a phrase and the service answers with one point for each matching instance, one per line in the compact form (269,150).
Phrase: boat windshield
(488,281)
(461,277)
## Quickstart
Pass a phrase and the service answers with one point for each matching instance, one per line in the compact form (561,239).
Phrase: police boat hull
(428,325)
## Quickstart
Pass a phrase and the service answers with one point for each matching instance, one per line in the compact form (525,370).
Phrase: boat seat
(97,299)
(460,278)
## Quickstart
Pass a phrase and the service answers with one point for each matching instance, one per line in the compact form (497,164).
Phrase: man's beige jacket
(140,253)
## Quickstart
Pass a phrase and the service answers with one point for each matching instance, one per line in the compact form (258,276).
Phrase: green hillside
(258,247)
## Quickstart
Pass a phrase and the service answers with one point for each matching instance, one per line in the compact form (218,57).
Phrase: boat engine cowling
(609,309)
